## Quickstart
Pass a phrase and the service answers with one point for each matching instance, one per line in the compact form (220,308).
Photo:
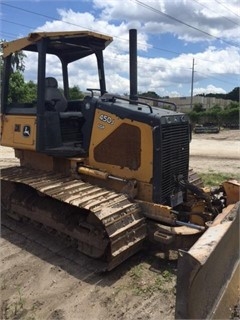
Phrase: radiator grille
(71,130)
(174,157)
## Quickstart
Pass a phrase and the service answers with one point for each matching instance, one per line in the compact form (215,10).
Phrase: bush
(227,118)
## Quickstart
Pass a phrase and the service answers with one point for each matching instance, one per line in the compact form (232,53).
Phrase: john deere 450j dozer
(112,172)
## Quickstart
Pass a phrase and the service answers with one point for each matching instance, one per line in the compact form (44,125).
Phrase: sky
(179,41)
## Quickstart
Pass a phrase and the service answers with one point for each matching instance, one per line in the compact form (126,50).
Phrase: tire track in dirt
(45,278)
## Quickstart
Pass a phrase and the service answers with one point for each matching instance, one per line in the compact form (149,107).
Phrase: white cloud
(209,89)
(164,75)
(155,16)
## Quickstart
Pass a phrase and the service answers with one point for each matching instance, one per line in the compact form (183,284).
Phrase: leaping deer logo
(26,131)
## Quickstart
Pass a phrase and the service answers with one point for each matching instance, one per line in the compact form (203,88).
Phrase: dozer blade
(208,274)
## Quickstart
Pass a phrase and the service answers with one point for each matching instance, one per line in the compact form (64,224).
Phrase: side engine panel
(122,147)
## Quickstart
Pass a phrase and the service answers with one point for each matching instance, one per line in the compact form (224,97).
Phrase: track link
(105,224)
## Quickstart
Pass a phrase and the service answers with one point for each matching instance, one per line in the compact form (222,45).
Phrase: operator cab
(61,128)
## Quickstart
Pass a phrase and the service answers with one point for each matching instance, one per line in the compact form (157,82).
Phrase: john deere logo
(26,131)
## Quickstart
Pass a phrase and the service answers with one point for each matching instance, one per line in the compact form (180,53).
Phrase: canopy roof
(67,45)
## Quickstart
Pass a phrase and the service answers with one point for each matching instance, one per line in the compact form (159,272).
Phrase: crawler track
(105,224)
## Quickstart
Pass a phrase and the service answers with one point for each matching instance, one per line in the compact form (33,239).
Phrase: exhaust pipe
(133,64)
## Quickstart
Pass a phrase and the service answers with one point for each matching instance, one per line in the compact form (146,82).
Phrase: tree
(216,108)
(198,107)
(234,94)
(31,91)
(149,94)
(233,105)
(17,88)
(229,117)
(75,93)
(1,56)
(17,61)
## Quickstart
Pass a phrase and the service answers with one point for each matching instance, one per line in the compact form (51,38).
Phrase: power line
(139,2)
(191,103)
(42,15)
(153,47)
(180,21)
(12,35)
(32,12)
(143,56)
(161,49)
(148,56)
(17,24)
(221,4)
(201,4)
(212,77)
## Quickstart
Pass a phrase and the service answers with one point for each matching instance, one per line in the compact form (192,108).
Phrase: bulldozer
(111,173)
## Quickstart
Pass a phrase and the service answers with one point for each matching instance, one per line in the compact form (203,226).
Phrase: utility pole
(192,85)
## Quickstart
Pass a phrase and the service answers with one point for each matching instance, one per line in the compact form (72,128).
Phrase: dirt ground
(43,277)
(216,152)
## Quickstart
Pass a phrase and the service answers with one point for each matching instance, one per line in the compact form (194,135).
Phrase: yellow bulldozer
(112,173)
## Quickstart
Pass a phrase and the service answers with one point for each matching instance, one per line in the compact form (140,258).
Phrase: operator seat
(54,98)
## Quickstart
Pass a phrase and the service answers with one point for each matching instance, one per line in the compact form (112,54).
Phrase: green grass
(215,179)
(14,310)
(142,282)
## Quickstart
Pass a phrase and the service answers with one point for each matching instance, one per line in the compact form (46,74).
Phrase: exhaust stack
(133,64)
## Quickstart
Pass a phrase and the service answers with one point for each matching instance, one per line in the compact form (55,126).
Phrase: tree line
(227,117)
(232,95)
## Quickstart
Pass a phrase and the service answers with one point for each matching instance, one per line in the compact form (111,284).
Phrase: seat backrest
(54,96)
